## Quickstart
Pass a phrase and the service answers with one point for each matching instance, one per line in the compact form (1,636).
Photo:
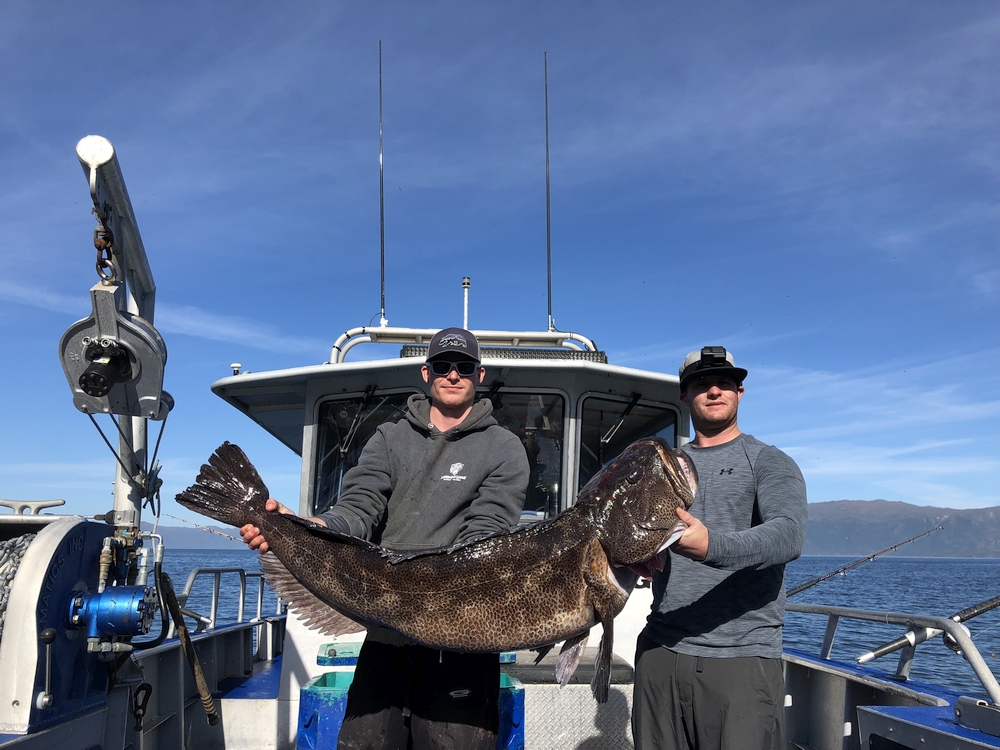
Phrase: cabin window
(609,425)
(537,419)
(345,426)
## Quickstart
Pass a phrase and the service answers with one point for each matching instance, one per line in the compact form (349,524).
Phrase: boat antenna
(381,187)
(548,204)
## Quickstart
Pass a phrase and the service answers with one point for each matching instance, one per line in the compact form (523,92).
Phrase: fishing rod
(809,584)
(204,528)
(913,637)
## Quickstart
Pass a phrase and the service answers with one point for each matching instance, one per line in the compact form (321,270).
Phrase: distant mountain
(860,527)
(185,537)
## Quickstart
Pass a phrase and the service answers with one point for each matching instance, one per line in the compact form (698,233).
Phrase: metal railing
(206,623)
(394,335)
(955,630)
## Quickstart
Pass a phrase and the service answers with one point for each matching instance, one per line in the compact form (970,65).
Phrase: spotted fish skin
(530,588)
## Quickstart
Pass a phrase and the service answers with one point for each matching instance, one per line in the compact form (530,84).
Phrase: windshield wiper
(607,437)
(356,423)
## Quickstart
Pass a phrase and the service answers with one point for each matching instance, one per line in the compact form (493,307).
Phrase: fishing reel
(114,360)
(951,643)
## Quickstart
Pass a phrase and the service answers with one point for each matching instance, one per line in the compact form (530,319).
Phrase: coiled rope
(11,552)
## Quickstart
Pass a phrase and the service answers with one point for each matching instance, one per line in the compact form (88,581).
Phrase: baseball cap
(711,360)
(453,341)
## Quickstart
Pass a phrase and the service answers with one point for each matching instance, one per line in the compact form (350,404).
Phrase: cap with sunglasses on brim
(711,360)
(452,341)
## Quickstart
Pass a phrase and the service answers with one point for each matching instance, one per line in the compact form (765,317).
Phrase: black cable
(164,613)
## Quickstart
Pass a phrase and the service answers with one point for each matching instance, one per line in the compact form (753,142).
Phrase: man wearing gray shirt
(708,664)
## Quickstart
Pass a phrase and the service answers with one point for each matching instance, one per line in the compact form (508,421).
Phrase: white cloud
(193,321)
(894,396)
(186,319)
(857,460)
(30,295)
(987,283)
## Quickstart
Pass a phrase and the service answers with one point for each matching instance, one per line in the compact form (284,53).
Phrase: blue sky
(814,186)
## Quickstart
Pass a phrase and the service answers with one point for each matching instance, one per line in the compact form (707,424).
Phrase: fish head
(635,499)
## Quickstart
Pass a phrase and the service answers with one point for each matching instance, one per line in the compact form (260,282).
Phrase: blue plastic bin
(322,702)
(511,733)
(339,654)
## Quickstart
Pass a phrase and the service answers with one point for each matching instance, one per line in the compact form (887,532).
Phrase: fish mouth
(655,564)
(678,466)
(623,578)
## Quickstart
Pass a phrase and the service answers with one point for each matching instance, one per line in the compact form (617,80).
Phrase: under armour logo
(725,471)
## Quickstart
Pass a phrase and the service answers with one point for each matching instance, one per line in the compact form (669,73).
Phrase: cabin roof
(283,401)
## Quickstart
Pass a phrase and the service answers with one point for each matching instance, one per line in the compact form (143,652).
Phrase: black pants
(685,702)
(407,697)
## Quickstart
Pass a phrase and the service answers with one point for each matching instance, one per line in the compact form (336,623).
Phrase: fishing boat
(97,650)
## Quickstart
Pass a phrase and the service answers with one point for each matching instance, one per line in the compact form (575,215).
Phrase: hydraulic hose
(164,613)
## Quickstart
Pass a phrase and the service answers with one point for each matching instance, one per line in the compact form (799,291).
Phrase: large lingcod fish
(531,588)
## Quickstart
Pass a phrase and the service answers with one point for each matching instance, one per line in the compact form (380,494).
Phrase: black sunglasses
(465,368)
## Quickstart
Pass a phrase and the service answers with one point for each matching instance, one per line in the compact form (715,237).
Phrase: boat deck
(260,685)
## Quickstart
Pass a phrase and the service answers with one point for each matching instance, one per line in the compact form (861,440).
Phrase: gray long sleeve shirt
(752,499)
(417,488)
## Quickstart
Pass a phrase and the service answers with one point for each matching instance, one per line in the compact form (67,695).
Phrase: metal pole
(381,187)
(466,284)
(132,447)
(548,203)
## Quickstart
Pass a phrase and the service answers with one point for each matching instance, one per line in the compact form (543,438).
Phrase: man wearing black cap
(708,664)
(447,473)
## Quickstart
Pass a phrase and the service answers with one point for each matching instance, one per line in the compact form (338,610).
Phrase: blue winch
(116,611)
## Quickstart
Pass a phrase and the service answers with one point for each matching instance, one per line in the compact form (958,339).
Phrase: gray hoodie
(418,488)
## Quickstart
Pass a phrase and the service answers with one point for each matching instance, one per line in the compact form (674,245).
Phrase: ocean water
(917,585)
(909,585)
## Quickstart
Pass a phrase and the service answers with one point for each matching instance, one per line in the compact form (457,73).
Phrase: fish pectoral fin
(600,686)
(315,613)
(569,657)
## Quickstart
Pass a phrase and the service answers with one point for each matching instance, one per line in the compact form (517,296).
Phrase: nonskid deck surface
(528,672)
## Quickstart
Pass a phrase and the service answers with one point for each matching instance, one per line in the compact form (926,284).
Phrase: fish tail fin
(228,488)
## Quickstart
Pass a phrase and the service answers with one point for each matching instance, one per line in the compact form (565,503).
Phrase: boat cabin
(572,410)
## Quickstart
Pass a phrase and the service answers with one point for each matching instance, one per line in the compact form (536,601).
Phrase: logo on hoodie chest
(453,475)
